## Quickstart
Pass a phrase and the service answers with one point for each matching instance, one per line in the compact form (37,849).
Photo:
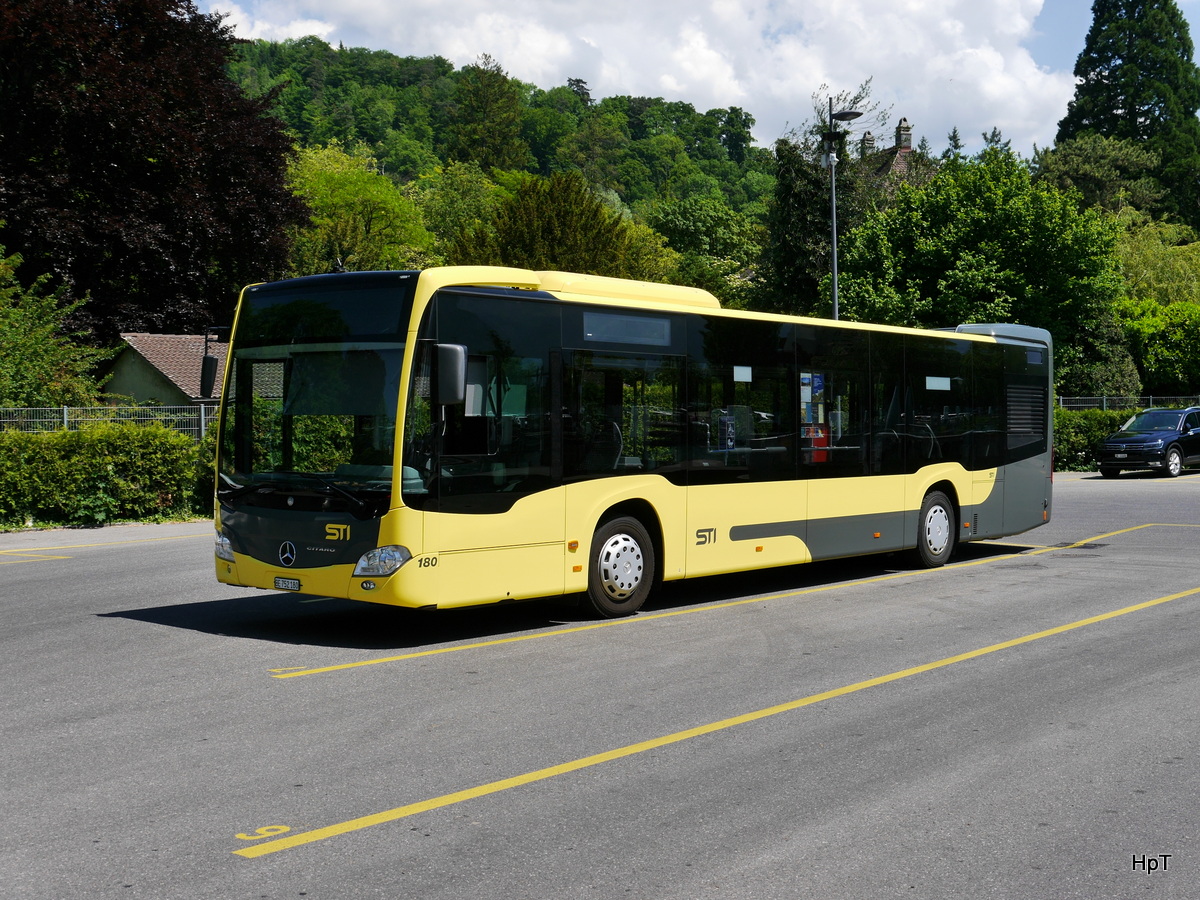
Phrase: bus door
(624,425)
(492,500)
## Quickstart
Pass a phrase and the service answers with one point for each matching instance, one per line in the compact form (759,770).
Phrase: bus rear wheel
(936,530)
(622,567)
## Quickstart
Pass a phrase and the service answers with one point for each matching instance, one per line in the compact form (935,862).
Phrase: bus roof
(568,285)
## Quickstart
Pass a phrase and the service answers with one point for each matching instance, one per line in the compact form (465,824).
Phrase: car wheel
(1174,463)
(622,567)
(1109,473)
(936,530)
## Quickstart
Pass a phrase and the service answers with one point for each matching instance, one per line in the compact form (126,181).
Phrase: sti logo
(337,532)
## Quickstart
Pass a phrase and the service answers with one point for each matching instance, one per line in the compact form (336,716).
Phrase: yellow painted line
(504,784)
(41,554)
(22,556)
(150,540)
(300,672)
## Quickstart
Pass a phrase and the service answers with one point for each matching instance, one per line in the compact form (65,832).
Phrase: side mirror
(208,375)
(451,374)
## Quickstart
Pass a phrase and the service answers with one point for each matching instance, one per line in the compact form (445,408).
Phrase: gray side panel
(1027,493)
(986,518)
(835,538)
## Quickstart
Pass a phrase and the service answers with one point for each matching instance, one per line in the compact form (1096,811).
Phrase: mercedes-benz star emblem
(287,553)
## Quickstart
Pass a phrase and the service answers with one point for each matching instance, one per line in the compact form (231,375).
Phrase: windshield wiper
(359,504)
(238,490)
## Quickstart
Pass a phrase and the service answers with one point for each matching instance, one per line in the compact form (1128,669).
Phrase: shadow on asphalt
(325,622)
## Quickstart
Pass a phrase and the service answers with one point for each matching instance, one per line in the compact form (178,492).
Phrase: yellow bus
(472,435)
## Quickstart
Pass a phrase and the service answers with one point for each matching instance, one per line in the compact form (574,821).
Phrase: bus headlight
(382,560)
(224,549)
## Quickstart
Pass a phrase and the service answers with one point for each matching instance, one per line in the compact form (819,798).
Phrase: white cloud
(268,28)
(939,63)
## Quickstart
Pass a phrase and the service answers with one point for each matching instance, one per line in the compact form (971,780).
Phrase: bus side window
(835,428)
(622,414)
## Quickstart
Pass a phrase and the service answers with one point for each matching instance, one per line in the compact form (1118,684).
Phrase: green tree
(551,117)
(1108,172)
(403,157)
(41,362)
(360,220)
(1160,259)
(560,223)
(954,146)
(455,200)
(796,253)
(486,124)
(718,246)
(1137,81)
(735,131)
(1163,342)
(598,149)
(981,242)
(131,167)
(995,138)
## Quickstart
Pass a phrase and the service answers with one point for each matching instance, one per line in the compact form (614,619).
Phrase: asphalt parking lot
(1017,724)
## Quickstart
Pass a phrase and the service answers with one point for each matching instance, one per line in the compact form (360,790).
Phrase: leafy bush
(1077,433)
(203,469)
(97,475)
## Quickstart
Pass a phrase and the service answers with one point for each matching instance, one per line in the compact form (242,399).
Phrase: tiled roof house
(164,368)
(894,160)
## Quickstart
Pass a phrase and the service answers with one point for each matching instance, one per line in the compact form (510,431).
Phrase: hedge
(101,474)
(1077,433)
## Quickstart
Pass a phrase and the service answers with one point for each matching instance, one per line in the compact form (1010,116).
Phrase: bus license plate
(1120,455)
(287,584)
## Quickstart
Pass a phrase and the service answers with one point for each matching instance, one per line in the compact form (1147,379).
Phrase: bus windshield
(310,408)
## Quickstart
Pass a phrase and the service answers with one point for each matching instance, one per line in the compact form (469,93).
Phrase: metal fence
(190,420)
(1126,402)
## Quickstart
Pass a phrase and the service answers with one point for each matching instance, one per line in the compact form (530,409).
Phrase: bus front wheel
(622,567)
(936,530)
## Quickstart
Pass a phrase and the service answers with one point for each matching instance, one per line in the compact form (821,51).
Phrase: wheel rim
(1174,463)
(620,566)
(937,530)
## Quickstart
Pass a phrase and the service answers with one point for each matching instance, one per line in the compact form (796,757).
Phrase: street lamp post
(831,138)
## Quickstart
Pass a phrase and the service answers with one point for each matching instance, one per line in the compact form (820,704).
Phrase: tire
(1109,473)
(622,567)
(1174,463)
(936,530)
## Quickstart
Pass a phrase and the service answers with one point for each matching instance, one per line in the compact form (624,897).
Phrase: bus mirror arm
(452,374)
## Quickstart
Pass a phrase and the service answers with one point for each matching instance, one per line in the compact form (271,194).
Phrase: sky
(974,65)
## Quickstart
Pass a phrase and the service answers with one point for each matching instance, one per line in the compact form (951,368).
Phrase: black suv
(1159,440)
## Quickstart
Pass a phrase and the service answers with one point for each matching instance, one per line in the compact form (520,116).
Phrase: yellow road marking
(20,556)
(149,540)
(41,554)
(504,784)
(299,672)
